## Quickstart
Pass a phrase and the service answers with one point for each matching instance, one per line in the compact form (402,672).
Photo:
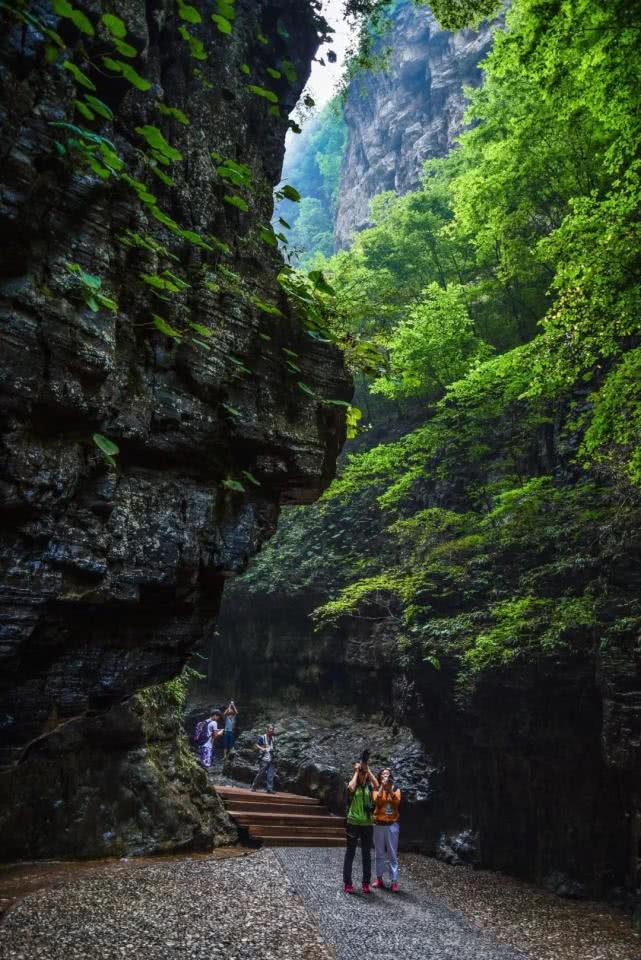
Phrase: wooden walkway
(283,819)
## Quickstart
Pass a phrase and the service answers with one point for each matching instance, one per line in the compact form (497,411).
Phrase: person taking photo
(360,824)
(387,801)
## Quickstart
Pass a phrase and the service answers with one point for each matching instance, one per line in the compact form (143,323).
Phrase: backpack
(201,734)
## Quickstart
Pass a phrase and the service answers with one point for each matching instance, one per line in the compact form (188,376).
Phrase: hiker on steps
(387,801)
(205,737)
(360,824)
(229,734)
(265,747)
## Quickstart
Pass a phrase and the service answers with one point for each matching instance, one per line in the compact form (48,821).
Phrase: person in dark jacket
(265,747)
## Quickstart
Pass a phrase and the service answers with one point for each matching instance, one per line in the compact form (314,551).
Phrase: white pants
(386,841)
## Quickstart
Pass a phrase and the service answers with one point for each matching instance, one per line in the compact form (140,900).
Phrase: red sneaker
(366,888)
(348,888)
(394,888)
(378,884)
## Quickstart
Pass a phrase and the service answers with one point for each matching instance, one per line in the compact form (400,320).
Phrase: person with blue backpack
(205,735)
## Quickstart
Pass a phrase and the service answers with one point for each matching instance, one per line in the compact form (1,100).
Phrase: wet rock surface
(109,577)
(408,113)
(121,784)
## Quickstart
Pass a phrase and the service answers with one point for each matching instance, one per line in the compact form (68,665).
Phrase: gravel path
(454,913)
(238,909)
(288,905)
(411,925)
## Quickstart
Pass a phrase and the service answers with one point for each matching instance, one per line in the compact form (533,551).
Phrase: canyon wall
(112,569)
(407,113)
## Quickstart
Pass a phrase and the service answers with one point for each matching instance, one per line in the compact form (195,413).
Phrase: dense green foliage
(506,295)
(313,163)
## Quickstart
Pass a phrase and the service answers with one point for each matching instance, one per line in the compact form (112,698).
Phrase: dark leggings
(353,835)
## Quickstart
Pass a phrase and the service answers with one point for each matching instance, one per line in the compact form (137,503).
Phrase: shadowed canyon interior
(500,673)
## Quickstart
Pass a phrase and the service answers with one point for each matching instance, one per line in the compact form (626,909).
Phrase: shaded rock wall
(408,113)
(539,763)
(122,784)
(110,577)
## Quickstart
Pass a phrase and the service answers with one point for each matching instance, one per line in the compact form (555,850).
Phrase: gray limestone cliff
(407,113)
(112,574)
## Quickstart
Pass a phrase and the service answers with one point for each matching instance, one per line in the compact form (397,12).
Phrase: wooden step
(272,829)
(238,793)
(236,807)
(283,819)
(290,819)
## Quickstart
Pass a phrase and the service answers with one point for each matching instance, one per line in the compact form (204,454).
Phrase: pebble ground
(237,909)
(409,925)
(288,904)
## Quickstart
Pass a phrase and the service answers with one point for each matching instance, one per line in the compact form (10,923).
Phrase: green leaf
(173,112)
(226,8)
(156,140)
(234,411)
(251,478)
(114,25)
(222,23)
(276,74)
(111,158)
(124,49)
(262,39)
(236,485)
(99,107)
(263,92)
(245,69)
(268,236)
(161,324)
(82,108)
(290,193)
(128,72)
(134,78)
(306,388)
(196,239)
(289,70)
(162,176)
(196,48)
(64,9)
(236,202)
(88,279)
(189,13)
(199,328)
(78,75)
(309,101)
(284,223)
(105,445)
(318,279)
(269,308)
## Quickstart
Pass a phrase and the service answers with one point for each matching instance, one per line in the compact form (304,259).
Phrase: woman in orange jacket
(387,801)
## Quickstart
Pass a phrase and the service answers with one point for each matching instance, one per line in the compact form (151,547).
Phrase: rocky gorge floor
(288,904)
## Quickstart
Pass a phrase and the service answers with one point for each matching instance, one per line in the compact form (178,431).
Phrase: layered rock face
(111,575)
(405,114)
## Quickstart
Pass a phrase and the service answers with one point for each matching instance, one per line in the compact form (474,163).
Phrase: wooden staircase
(283,819)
